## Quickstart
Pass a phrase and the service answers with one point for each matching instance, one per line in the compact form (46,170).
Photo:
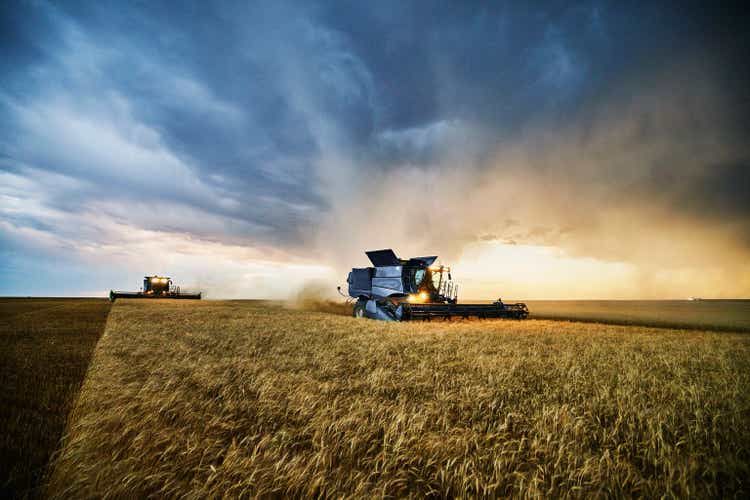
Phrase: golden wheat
(245,399)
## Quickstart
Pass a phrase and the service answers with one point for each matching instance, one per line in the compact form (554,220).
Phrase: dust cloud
(630,184)
(317,296)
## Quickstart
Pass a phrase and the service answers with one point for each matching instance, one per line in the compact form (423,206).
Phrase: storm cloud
(251,147)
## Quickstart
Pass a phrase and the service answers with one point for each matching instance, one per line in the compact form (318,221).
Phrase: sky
(591,150)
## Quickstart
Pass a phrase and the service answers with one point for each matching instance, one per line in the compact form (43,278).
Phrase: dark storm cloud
(252,123)
(209,102)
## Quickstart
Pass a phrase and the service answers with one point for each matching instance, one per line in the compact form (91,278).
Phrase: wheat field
(197,399)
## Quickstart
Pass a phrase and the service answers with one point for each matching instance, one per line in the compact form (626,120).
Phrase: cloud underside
(283,140)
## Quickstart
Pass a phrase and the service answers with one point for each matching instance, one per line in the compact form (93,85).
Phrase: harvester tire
(359,309)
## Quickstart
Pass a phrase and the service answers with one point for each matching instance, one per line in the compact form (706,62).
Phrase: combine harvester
(397,290)
(155,287)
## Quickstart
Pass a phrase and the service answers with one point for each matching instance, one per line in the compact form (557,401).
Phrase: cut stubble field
(45,350)
(250,398)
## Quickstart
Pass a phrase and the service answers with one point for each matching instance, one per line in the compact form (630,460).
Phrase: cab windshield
(419,277)
(425,280)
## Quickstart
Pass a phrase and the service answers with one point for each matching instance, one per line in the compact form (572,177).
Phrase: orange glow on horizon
(488,270)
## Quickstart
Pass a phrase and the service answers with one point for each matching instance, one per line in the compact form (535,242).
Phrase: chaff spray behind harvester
(155,287)
(396,290)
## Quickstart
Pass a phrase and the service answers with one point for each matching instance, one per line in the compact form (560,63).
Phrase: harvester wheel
(359,309)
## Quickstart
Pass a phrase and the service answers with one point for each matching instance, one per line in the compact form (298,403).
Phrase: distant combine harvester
(155,287)
(405,289)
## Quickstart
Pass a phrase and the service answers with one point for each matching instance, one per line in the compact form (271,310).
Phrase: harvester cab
(395,289)
(156,285)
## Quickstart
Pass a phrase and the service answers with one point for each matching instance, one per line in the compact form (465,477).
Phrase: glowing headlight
(421,297)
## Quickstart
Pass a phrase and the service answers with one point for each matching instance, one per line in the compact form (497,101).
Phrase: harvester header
(155,287)
(395,289)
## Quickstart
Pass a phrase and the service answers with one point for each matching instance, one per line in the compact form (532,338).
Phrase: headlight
(420,297)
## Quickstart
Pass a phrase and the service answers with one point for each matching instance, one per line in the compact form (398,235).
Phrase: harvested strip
(47,345)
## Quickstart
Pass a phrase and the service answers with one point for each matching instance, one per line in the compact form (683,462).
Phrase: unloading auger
(398,290)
